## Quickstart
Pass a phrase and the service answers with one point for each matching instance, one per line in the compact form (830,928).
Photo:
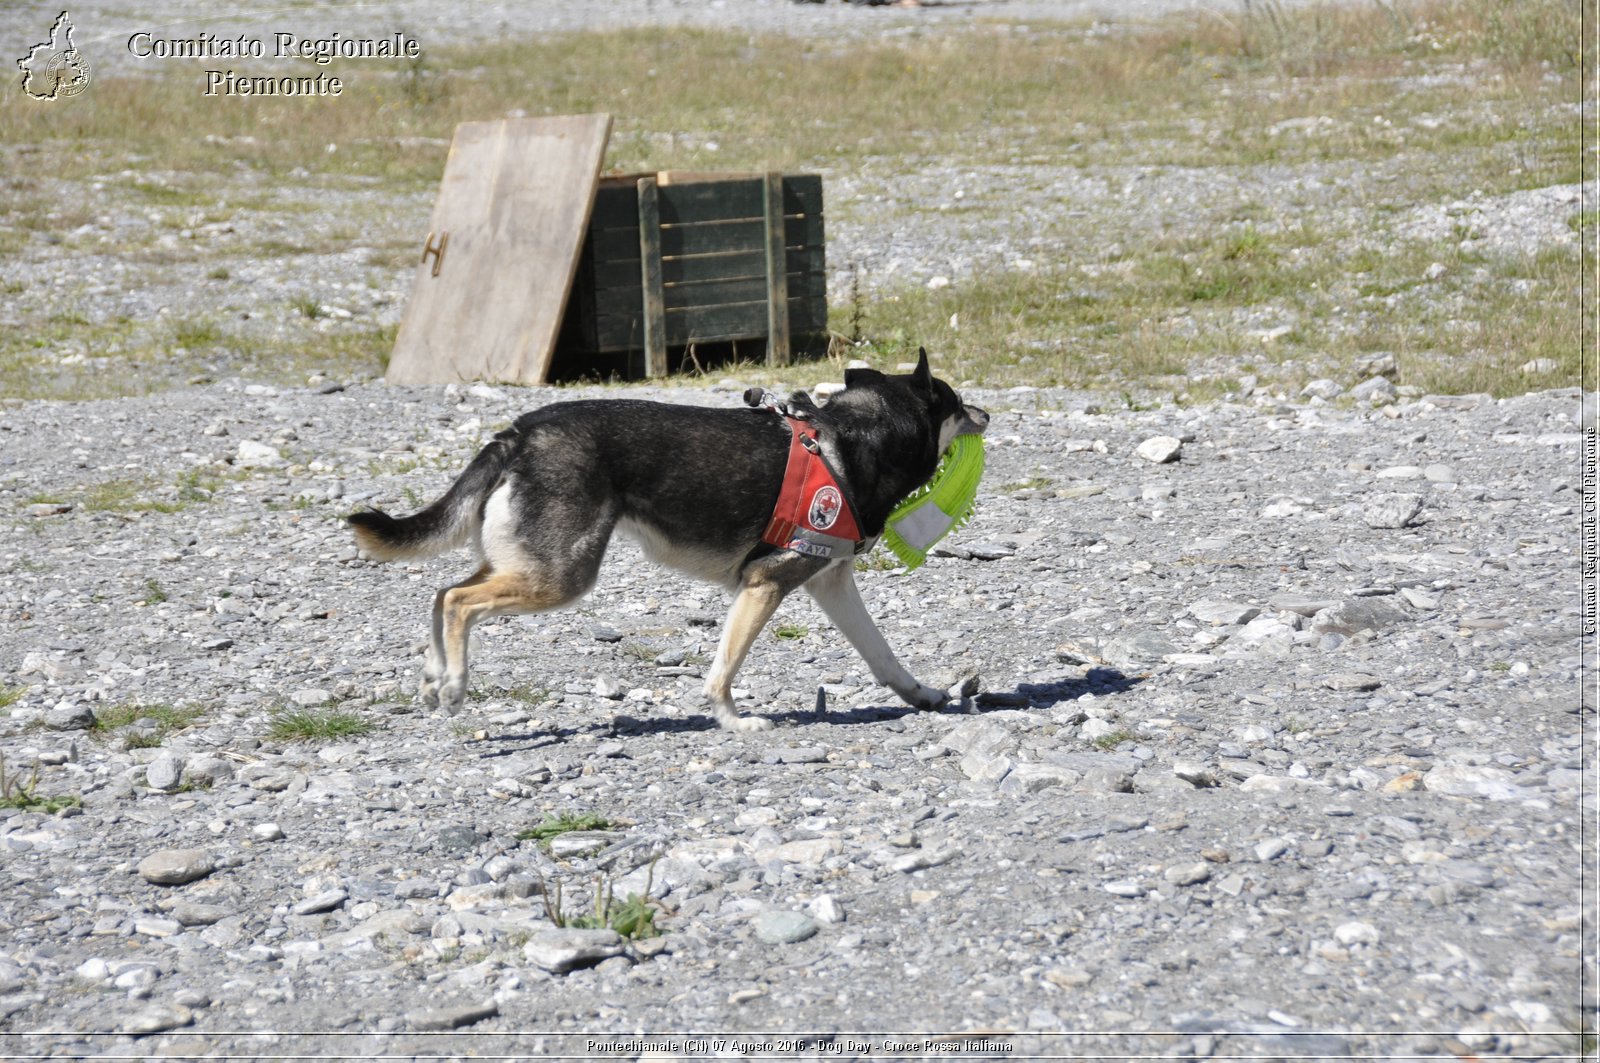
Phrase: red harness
(812,508)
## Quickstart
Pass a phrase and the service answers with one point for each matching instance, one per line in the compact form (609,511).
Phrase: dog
(696,487)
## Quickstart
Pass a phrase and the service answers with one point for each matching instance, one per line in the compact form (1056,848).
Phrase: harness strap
(812,515)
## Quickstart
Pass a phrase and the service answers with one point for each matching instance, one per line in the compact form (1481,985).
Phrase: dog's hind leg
(433,662)
(836,593)
(486,593)
(753,606)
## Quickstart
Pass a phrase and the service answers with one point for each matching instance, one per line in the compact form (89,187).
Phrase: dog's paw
(428,692)
(745,724)
(926,698)
(452,695)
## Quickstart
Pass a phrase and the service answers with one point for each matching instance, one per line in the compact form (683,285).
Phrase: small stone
(1068,977)
(1419,599)
(1159,450)
(156,1019)
(566,949)
(156,928)
(1125,887)
(266,832)
(776,927)
(192,913)
(1356,933)
(1474,780)
(69,717)
(452,1018)
(253,455)
(1193,774)
(1322,388)
(604,633)
(326,901)
(1376,390)
(1351,681)
(174,867)
(1217,611)
(165,773)
(1391,511)
(1303,604)
(608,687)
(1271,849)
(1356,616)
(825,909)
(1187,874)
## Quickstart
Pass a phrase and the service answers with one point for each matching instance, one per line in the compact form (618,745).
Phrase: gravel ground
(1277,753)
(1277,750)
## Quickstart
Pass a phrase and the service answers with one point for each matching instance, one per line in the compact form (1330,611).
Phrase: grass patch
(19,794)
(1427,98)
(144,725)
(9,696)
(632,918)
(314,725)
(154,593)
(790,632)
(1113,739)
(565,823)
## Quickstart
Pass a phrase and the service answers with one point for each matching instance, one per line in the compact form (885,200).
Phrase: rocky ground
(1277,750)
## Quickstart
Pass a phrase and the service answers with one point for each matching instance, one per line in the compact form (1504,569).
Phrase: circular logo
(67,74)
(825,507)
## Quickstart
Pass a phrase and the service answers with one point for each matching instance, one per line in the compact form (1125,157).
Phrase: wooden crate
(672,261)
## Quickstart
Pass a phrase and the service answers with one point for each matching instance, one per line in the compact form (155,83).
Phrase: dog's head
(944,407)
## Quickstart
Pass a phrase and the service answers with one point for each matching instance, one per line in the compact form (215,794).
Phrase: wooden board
(514,205)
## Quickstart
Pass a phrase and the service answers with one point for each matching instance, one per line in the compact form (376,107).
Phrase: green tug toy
(939,506)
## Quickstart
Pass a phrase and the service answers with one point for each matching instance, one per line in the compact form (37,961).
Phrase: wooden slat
(653,302)
(716,324)
(777,274)
(711,238)
(707,201)
(688,269)
(741,290)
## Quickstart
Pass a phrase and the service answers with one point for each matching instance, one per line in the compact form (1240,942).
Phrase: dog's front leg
(835,591)
(753,606)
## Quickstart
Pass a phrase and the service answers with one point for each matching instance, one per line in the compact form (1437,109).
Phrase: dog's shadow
(1100,682)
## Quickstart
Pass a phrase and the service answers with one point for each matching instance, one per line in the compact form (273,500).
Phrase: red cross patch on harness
(811,508)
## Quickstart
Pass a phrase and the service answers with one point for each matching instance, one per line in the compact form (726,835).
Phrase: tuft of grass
(790,632)
(1113,739)
(632,918)
(313,725)
(9,696)
(307,307)
(565,823)
(19,794)
(166,719)
(154,594)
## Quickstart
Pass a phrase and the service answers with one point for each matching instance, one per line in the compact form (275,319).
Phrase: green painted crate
(673,262)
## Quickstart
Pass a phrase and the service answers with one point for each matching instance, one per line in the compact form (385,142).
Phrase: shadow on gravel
(1101,682)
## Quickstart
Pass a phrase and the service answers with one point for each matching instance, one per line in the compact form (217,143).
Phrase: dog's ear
(922,376)
(852,377)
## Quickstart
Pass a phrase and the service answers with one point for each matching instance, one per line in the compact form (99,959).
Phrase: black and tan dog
(697,488)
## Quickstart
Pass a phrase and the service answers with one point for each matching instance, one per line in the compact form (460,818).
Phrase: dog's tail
(442,526)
